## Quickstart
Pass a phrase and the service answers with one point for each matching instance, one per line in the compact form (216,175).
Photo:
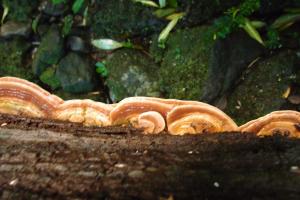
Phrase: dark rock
(76,74)
(230,57)
(53,9)
(184,63)
(12,62)
(49,51)
(131,73)
(262,88)
(12,28)
(121,18)
(76,43)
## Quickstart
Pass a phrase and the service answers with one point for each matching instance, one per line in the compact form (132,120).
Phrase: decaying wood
(55,160)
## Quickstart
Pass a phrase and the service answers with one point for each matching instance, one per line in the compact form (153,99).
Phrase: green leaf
(165,32)
(285,21)
(35,23)
(5,12)
(252,32)
(162,3)
(68,22)
(85,16)
(160,13)
(77,5)
(107,44)
(175,16)
(147,3)
(258,24)
(101,69)
(48,77)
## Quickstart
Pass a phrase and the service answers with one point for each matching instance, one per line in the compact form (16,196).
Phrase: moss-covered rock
(262,88)
(12,63)
(121,18)
(184,64)
(76,74)
(229,58)
(20,10)
(131,73)
(49,52)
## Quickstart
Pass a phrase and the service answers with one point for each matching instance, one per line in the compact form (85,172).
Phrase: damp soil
(44,159)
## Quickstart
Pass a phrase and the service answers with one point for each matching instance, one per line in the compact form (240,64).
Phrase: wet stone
(12,28)
(76,43)
(76,74)
(49,52)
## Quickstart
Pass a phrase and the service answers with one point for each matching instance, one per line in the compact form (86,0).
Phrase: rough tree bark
(47,159)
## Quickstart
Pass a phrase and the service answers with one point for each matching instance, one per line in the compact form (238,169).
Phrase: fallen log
(42,159)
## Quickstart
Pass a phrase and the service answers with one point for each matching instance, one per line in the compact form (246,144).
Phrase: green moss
(121,18)
(185,63)
(11,59)
(262,88)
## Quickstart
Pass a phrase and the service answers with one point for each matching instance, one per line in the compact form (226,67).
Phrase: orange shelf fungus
(21,97)
(88,112)
(198,118)
(136,111)
(153,115)
(151,122)
(282,122)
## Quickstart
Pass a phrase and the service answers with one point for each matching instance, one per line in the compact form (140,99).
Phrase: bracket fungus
(21,97)
(86,111)
(141,112)
(153,115)
(198,118)
(151,122)
(284,122)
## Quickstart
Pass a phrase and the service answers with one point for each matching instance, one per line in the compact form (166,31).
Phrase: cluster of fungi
(152,115)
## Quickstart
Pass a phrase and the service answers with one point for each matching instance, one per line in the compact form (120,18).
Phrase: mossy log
(54,160)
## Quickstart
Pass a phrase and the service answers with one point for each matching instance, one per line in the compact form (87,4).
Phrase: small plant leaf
(258,24)
(147,3)
(85,16)
(286,93)
(175,16)
(68,22)
(160,13)
(252,32)
(35,23)
(5,12)
(48,77)
(77,5)
(107,44)
(284,20)
(162,3)
(101,69)
(165,32)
